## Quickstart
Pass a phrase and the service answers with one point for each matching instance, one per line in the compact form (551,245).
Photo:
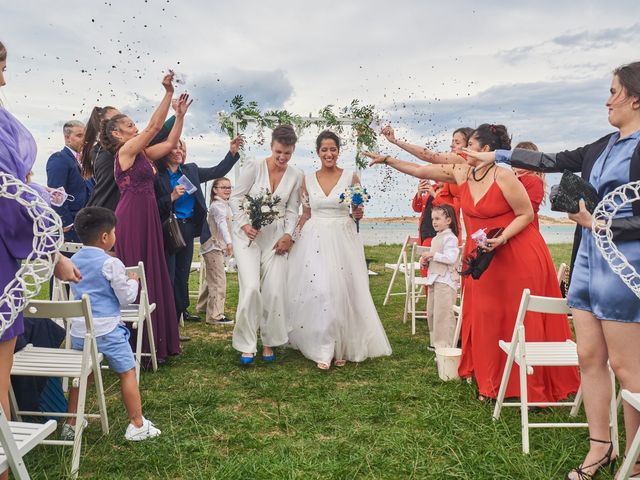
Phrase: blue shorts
(115,348)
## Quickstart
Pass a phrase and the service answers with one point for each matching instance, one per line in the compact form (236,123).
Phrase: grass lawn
(386,418)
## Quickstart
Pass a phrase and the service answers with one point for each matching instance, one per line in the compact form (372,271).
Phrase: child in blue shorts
(108,286)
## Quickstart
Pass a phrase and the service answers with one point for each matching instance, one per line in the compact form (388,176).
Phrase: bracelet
(384,160)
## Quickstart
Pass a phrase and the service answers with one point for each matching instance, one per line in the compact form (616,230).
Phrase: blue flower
(357,199)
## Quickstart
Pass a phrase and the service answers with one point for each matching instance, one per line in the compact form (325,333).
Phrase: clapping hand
(236,144)
(182,105)
(389,134)
(167,82)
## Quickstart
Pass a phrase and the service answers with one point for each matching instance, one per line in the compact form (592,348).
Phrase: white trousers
(262,277)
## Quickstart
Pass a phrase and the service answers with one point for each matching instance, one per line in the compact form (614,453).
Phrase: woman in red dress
(533,183)
(493,197)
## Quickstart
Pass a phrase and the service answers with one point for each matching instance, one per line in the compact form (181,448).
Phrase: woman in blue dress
(606,313)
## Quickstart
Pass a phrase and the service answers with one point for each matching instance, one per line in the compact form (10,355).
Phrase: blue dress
(594,286)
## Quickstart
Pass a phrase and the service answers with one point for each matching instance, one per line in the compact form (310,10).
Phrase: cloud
(582,41)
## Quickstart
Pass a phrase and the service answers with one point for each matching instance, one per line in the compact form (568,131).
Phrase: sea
(375,233)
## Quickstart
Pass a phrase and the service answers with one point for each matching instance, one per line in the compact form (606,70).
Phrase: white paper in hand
(186,183)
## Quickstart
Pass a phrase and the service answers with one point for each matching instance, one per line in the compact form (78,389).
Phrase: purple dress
(139,238)
(17,155)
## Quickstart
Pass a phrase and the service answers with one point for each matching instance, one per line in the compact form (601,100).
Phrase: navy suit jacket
(196,175)
(63,171)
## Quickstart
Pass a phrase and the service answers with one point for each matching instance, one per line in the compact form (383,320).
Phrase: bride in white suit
(262,266)
(331,314)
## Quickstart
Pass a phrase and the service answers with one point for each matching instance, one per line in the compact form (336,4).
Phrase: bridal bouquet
(355,195)
(476,262)
(261,209)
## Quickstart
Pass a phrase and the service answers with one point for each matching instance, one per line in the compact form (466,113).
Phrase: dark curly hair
(496,136)
(107,140)
(327,135)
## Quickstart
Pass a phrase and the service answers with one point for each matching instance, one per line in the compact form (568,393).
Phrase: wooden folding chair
(139,316)
(401,266)
(17,439)
(633,399)
(62,362)
(528,355)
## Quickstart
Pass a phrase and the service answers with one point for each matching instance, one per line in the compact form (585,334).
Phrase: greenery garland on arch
(359,117)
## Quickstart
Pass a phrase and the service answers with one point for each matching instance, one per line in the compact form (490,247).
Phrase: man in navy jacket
(190,210)
(63,170)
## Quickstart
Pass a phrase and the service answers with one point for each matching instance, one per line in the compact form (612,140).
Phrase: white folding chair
(416,287)
(528,355)
(457,311)
(139,316)
(62,362)
(17,439)
(400,266)
(633,399)
(59,288)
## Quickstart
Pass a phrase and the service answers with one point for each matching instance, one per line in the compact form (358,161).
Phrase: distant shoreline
(544,220)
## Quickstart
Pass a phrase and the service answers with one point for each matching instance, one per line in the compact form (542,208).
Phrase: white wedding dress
(331,314)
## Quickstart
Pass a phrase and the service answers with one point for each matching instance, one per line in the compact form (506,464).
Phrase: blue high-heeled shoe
(245,360)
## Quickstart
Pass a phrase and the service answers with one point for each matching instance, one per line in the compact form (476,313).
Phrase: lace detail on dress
(138,178)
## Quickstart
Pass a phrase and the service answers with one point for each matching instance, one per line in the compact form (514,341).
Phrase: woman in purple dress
(17,156)
(139,232)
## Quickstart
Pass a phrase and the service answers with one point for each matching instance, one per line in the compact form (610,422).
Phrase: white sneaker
(137,434)
(68,432)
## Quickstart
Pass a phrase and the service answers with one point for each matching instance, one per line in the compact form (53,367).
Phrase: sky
(542,68)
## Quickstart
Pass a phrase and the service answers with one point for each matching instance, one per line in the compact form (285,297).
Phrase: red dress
(534,186)
(491,305)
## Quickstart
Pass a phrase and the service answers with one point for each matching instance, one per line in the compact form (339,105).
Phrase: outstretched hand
(485,158)
(167,81)
(389,134)
(182,105)
(376,158)
(236,144)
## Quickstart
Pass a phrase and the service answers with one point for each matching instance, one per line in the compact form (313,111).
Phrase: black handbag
(173,239)
(565,196)
(476,262)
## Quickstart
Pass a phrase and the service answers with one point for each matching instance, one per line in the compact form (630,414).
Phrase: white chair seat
(49,362)
(633,451)
(26,436)
(546,353)
(402,267)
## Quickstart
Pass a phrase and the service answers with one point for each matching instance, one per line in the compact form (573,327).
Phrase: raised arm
(441,173)
(162,149)
(135,145)
(420,152)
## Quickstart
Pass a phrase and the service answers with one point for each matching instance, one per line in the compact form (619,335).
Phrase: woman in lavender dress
(139,232)
(17,155)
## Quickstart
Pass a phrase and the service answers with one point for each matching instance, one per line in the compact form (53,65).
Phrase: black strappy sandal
(604,462)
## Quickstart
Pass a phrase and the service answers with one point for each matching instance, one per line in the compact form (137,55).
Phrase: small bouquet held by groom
(261,210)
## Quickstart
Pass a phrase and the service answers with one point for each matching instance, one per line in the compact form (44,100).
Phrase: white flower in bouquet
(265,209)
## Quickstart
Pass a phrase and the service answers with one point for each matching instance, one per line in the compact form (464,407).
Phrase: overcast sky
(540,67)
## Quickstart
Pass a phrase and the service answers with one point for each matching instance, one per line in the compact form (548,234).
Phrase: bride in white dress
(331,314)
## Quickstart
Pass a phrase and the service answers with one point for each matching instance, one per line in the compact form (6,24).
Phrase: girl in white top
(215,248)
(261,254)
(443,278)
(331,313)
